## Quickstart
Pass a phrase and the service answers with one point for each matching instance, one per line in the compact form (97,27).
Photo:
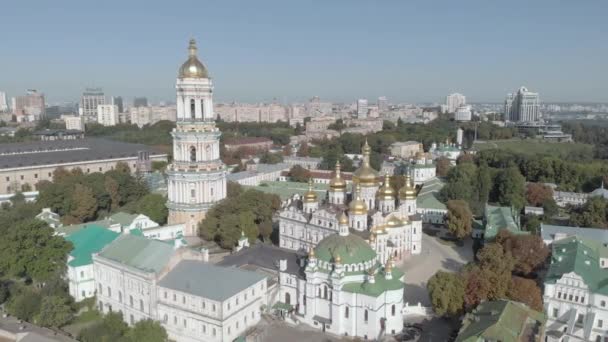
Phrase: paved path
(435,256)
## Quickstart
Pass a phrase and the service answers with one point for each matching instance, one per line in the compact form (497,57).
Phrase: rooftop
(501,320)
(260,169)
(550,232)
(247,140)
(428,195)
(88,241)
(264,256)
(208,281)
(38,153)
(497,218)
(380,285)
(286,190)
(138,252)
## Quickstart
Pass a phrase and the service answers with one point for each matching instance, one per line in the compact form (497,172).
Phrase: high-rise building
(453,101)
(362,108)
(463,113)
(3,103)
(117,101)
(91,98)
(30,107)
(140,102)
(382,104)
(197,176)
(107,115)
(522,106)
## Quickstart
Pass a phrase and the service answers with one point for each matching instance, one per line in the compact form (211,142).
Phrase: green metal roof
(286,190)
(87,241)
(428,196)
(501,320)
(209,281)
(380,285)
(498,218)
(581,256)
(124,219)
(139,252)
(67,230)
(352,249)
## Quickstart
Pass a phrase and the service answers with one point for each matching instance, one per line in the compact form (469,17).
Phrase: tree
(510,188)
(287,150)
(459,219)
(592,214)
(111,187)
(111,328)
(537,194)
(54,312)
(443,166)
(528,251)
(265,230)
(233,189)
(31,249)
(303,150)
(337,126)
(497,266)
(147,330)
(248,226)
(84,205)
(446,291)
(24,305)
(477,286)
(271,158)
(299,174)
(531,223)
(526,291)
(153,206)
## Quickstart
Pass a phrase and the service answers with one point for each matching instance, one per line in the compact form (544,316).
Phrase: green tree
(303,150)
(337,126)
(299,174)
(265,230)
(592,214)
(24,305)
(111,328)
(111,187)
(147,330)
(528,251)
(54,312)
(459,219)
(153,206)
(271,158)
(510,188)
(248,226)
(447,293)
(443,166)
(84,205)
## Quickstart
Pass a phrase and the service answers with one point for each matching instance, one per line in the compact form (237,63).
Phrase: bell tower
(197,176)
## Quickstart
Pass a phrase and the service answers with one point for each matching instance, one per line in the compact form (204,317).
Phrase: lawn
(539,147)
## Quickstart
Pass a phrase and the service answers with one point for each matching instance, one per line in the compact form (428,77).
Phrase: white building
(91,98)
(576,291)
(261,173)
(197,176)
(150,115)
(463,113)
(406,149)
(390,226)
(447,150)
(73,122)
(193,300)
(3,103)
(362,108)
(382,104)
(107,115)
(453,101)
(522,106)
(422,168)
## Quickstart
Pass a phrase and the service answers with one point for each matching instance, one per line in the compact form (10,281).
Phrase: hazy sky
(409,51)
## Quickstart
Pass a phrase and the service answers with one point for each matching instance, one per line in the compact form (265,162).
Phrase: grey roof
(264,256)
(139,252)
(209,281)
(23,154)
(548,232)
(261,168)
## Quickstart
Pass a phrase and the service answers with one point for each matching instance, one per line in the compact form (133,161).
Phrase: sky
(409,51)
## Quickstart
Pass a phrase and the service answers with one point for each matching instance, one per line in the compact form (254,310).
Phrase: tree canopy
(459,219)
(447,293)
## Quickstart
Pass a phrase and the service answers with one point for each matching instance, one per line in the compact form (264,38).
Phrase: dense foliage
(243,211)
(459,218)
(113,328)
(157,134)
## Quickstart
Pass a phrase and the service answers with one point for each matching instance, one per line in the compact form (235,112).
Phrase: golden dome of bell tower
(193,68)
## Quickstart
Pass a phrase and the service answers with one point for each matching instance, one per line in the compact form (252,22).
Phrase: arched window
(131,301)
(192,109)
(365,316)
(192,153)
(287,298)
(203,108)
(325,292)
(141,305)
(119,296)
(109,292)
(393,310)
(346,312)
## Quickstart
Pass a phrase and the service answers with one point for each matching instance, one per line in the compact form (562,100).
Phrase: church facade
(386,219)
(197,176)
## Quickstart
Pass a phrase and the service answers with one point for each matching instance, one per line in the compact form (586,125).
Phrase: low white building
(463,113)
(51,218)
(193,300)
(576,291)
(564,198)
(260,173)
(406,149)
(422,168)
(73,122)
(107,115)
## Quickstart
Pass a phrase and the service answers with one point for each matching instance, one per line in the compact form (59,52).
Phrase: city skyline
(408,53)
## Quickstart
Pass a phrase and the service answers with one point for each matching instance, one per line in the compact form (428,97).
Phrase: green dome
(351,248)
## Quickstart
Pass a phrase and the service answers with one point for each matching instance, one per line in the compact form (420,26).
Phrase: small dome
(193,68)
(365,174)
(394,222)
(357,206)
(337,182)
(343,220)
(350,249)
(408,191)
(310,196)
(386,192)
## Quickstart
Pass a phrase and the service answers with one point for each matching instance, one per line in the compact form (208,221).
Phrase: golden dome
(386,192)
(388,268)
(372,237)
(381,229)
(311,253)
(419,155)
(365,174)
(408,191)
(394,222)
(310,196)
(358,206)
(337,183)
(193,68)
(343,220)
(338,259)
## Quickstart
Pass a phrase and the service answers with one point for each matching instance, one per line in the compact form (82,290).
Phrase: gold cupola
(365,174)
(408,191)
(394,222)
(310,196)
(343,220)
(192,68)
(337,183)
(357,206)
(386,192)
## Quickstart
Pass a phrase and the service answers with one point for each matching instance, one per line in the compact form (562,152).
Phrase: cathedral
(378,214)
(197,176)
